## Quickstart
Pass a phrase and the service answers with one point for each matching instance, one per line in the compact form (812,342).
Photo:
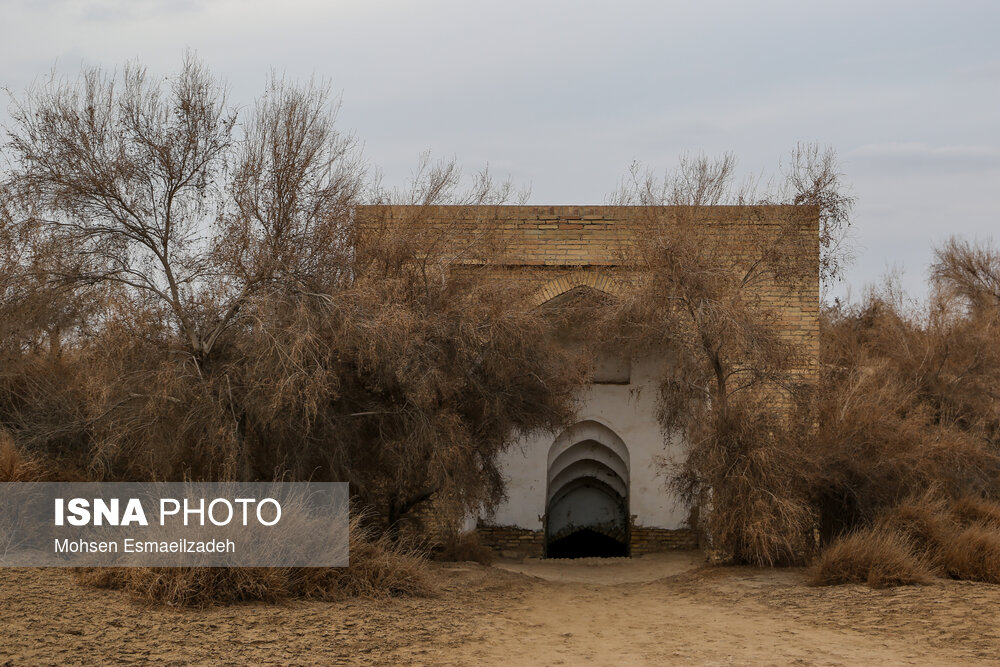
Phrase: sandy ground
(665,609)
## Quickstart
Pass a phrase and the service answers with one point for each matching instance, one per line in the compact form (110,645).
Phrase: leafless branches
(243,323)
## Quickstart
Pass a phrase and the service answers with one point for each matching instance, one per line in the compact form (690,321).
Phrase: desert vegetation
(203,310)
(184,296)
(189,291)
(734,385)
(907,440)
(884,471)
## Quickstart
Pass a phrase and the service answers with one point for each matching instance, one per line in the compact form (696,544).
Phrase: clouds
(918,156)
(564,94)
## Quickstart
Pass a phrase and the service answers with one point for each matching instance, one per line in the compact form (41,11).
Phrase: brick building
(600,477)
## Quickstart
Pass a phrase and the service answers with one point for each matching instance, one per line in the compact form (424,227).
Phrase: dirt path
(570,625)
(663,610)
(619,612)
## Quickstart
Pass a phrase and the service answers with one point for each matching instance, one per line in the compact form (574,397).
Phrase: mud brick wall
(556,248)
(431,524)
(653,540)
(512,542)
(545,251)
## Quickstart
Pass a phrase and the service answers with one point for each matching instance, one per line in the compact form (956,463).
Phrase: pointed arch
(596,280)
(587,492)
(588,430)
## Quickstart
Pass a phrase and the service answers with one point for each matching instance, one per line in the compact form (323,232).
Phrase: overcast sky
(563,95)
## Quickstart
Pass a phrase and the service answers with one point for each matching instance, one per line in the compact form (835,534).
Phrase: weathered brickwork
(512,542)
(431,524)
(652,540)
(556,248)
(546,251)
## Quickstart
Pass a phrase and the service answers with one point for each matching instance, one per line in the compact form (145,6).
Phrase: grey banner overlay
(175,524)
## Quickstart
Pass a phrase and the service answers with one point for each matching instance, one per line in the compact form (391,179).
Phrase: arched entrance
(586,512)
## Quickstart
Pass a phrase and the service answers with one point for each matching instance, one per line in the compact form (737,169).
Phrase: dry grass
(970,510)
(926,523)
(14,466)
(460,546)
(378,568)
(974,555)
(923,536)
(191,586)
(877,557)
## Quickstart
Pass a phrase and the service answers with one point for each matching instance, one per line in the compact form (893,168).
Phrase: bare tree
(701,287)
(699,274)
(129,175)
(813,177)
(969,272)
(252,327)
(296,179)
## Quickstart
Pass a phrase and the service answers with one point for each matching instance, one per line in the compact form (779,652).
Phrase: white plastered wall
(630,412)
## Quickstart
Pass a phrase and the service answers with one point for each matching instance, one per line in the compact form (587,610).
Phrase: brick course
(511,541)
(553,249)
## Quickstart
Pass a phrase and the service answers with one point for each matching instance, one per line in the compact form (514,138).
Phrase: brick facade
(550,250)
(511,541)
(652,540)
(556,248)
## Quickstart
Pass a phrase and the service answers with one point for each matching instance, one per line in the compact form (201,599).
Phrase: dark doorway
(587,519)
(587,543)
(586,510)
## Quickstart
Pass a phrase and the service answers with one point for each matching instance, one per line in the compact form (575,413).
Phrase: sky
(563,96)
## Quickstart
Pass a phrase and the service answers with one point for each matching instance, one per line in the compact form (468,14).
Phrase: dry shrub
(751,472)
(14,467)
(926,523)
(192,586)
(378,568)
(463,546)
(877,557)
(970,510)
(908,403)
(974,555)
(700,294)
(377,347)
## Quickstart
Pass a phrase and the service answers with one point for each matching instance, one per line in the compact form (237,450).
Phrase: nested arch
(588,468)
(589,430)
(587,492)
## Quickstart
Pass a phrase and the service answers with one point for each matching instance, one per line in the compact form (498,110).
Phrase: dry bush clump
(191,586)
(877,557)
(752,473)
(459,546)
(974,555)
(14,467)
(698,292)
(909,403)
(379,567)
(971,510)
(959,539)
(909,400)
(926,522)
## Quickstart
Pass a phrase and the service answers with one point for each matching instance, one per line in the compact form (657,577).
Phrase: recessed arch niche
(587,493)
